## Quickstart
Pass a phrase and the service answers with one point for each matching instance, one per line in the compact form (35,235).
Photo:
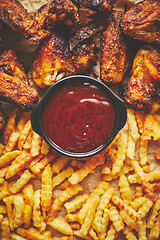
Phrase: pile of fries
(42,193)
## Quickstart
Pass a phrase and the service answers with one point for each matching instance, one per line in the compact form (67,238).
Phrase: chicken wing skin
(142,21)
(97,5)
(2,121)
(113,56)
(55,59)
(144,75)
(34,27)
(14,86)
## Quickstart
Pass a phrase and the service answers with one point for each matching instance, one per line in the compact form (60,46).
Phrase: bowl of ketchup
(79,116)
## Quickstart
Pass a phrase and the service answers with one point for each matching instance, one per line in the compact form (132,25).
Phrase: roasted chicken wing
(55,59)
(2,121)
(145,75)
(34,27)
(142,21)
(14,86)
(97,5)
(113,56)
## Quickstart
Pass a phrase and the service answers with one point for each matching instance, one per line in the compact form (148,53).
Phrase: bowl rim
(36,114)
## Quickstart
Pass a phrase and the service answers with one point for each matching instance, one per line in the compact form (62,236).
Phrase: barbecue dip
(78,118)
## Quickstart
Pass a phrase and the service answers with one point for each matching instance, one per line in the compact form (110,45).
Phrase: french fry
(5,229)
(155,230)
(142,234)
(140,117)
(144,209)
(18,210)
(8,157)
(76,203)
(93,234)
(64,185)
(66,173)
(44,148)
(104,224)
(36,144)
(15,236)
(104,201)
(148,128)
(2,147)
(28,142)
(10,127)
(23,135)
(138,202)
(42,163)
(61,226)
(129,234)
(156,128)
(21,182)
(128,219)
(138,192)
(111,234)
(32,234)
(59,164)
(116,219)
(37,217)
(4,190)
(121,153)
(143,152)
(3,209)
(154,212)
(12,142)
(62,198)
(125,189)
(132,125)
(9,202)
(131,147)
(90,215)
(46,191)
(19,164)
(71,217)
(28,195)
(87,168)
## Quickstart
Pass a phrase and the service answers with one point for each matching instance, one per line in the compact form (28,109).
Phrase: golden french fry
(66,173)
(28,195)
(46,192)
(9,202)
(129,234)
(71,217)
(116,219)
(2,147)
(5,229)
(138,202)
(156,128)
(87,168)
(12,142)
(32,234)
(77,164)
(140,117)
(143,152)
(15,236)
(142,233)
(111,234)
(36,144)
(64,185)
(21,182)
(18,210)
(121,153)
(132,124)
(44,148)
(144,209)
(125,189)
(154,213)
(23,135)
(131,147)
(76,203)
(104,224)
(59,164)
(37,217)
(154,233)
(61,226)
(138,192)
(19,164)
(28,142)
(8,157)
(148,128)
(63,197)
(42,163)
(4,190)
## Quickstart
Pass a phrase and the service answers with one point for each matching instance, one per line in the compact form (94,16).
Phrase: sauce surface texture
(79,118)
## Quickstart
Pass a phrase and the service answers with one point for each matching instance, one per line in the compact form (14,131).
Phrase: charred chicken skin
(142,21)
(55,59)
(97,5)
(34,27)
(14,86)
(145,75)
(113,56)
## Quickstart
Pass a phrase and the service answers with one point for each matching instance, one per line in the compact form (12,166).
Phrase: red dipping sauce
(78,118)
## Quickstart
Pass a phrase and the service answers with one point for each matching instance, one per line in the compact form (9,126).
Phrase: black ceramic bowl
(119,106)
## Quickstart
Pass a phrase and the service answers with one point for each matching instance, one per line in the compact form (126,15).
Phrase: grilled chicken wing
(97,5)
(55,60)
(14,86)
(113,56)
(34,26)
(142,21)
(144,75)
